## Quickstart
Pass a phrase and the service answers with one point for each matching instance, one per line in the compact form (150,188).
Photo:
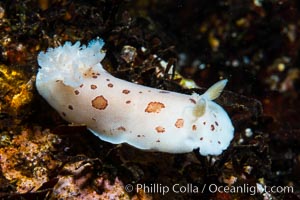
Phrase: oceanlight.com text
(157,188)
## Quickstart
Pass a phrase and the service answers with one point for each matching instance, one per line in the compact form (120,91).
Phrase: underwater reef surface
(253,43)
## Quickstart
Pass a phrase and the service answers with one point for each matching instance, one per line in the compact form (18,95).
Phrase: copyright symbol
(129,188)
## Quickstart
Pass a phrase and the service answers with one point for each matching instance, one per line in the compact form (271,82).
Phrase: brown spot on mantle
(212,127)
(126,91)
(99,103)
(110,85)
(193,101)
(121,128)
(194,127)
(179,123)
(154,107)
(160,129)
(93,87)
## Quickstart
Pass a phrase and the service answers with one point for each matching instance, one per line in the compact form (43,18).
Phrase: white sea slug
(74,82)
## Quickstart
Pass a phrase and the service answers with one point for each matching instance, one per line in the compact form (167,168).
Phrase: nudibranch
(73,82)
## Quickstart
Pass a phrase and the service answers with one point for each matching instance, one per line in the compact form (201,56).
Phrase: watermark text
(157,188)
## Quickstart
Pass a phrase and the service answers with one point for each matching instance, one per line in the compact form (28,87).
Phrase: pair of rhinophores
(73,81)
